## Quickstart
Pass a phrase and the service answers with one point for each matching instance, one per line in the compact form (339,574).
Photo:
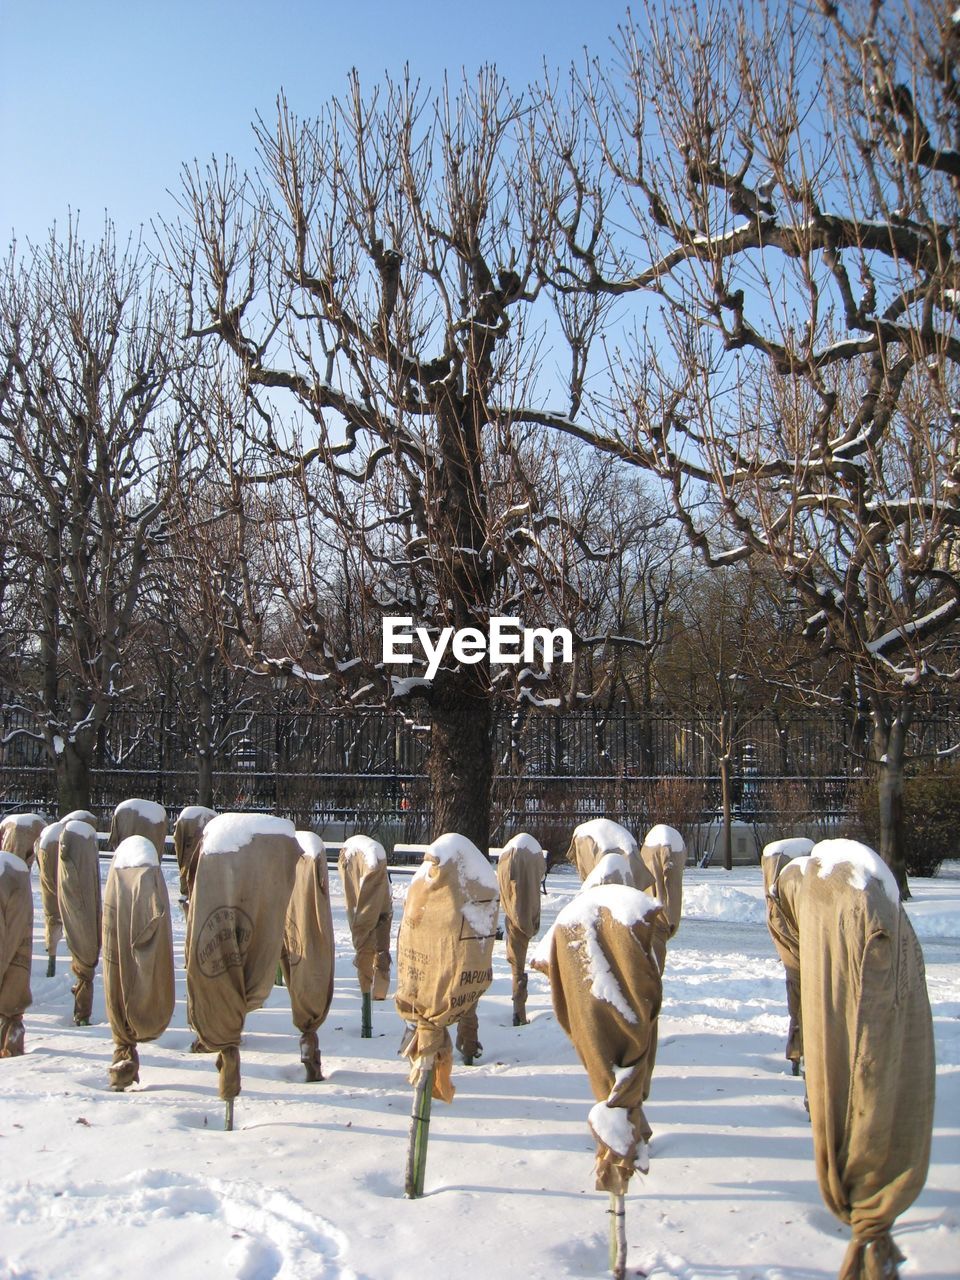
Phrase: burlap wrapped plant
(16,940)
(139,818)
(606,989)
(366,888)
(79,900)
(837,917)
(308,953)
(593,839)
(187,834)
(776,855)
(444,952)
(138,979)
(245,876)
(19,833)
(520,871)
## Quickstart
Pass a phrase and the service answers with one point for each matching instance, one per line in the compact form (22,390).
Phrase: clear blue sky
(101,101)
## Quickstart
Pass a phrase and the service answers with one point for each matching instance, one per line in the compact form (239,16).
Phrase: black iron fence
(366,770)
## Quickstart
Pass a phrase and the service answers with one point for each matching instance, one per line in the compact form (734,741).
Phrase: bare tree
(85,344)
(790,182)
(376,284)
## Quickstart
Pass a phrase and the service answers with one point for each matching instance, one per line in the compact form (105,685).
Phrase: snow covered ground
(310,1183)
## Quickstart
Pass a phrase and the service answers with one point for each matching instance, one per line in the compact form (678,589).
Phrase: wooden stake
(366,1017)
(51,965)
(419,1133)
(228,1117)
(618,1237)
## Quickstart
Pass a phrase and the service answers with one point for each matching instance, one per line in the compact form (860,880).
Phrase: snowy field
(146,1184)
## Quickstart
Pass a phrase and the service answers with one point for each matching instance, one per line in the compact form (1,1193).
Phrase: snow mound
(49,837)
(661,834)
(523,841)
(231,832)
(23,819)
(938,919)
(311,846)
(135,851)
(10,862)
(792,846)
(241,1229)
(723,902)
(861,862)
(194,811)
(80,828)
(613,868)
(471,864)
(371,851)
(607,835)
(149,810)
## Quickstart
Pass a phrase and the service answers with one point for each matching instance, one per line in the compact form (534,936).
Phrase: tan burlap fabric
(139,818)
(78,896)
(16,940)
(245,876)
(663,855)
(777,855)
(520,871)
(187,833)
(366,889)
(138,981)
(444,951)
(865,1015)
(308,946)
(606,989)
(48,861)
(19,833)
(591,840)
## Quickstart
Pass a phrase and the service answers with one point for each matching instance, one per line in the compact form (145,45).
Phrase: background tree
(85,344)
(790,182)
(377,287)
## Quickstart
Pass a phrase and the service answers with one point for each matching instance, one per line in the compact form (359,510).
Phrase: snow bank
(233,831)
(311,846)
(149,810)
(135,851)
(861,862)
(723,902)
(661,834)
(371,851)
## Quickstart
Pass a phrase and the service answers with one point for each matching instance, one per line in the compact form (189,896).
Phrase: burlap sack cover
(664,855)
(520,871)
(308,946)
(187,832)
(245,876)
(19,833)
(138,982)
(868,1043)
(606,989)
(444,951)
(591,840)
(366,888)
(16,941)
(776,855)
(48,861)
(78,896)
(139,818)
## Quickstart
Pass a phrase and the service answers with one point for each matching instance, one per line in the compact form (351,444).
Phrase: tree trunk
(461,754)
(73,776)
(727,806)
(889,745)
